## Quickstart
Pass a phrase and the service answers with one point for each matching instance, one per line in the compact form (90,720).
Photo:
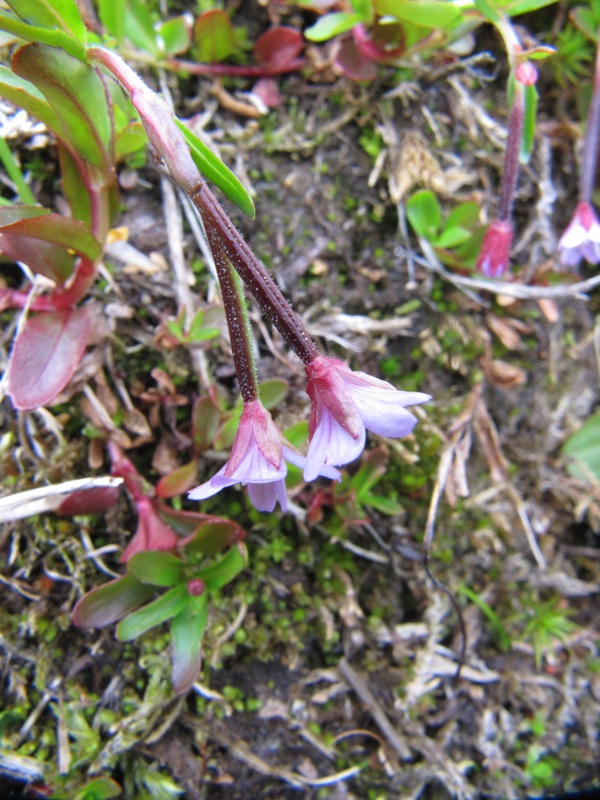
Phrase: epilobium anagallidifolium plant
(100,110)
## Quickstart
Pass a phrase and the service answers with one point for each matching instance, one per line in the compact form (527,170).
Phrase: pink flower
(495,249)
(581,238)
(344,405)
(258,459)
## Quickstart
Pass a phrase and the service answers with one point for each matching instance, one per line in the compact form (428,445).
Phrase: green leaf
(331,25)
(273,391)
(488,10)
(466,215)
(525,6)
(428,13)
(78,97)
(15,174)
(200,329)
(387,505)
(225,570)
(155,613)
(73,185)
(32,33)
(174,36)
(99,789)
(187,630)
(156,568)
(53,14)
(139,27)
(110,602)
(212,537)
(112,16)
(423,212)
(583,448)
(530,100)
(451,237)
(214,36)
(25,95)
(504,640)
(216,171)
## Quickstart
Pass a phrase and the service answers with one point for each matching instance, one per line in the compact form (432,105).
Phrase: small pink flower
(258,459)
(495,249)
(344,405)
(581,238)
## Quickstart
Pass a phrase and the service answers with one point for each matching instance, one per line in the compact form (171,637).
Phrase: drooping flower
(344,405)
(494,255)
(258,459)
(581,239)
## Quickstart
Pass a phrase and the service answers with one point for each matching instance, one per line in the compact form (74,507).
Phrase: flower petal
(331,444)
(264,496)
(383,411)
(211,487)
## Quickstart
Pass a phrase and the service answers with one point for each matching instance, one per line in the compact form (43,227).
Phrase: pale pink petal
(383,412)
(264,496)
(331,445)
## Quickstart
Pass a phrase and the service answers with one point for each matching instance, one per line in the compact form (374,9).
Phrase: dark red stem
(233,70)
(238,324)
(510,172)
(589,157)
(224,237)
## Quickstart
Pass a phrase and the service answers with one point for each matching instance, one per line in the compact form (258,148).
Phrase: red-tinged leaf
(185,523)
(214,536)
(352,64)
(187,630)
(164,608)
(178,482)
(111,602)
(152,532)
(70,234)
(214,36)
(45,356)
(96,500)
(278,46)
(78,98)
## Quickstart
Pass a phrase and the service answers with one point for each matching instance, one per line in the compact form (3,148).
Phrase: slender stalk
(238,322)
(510,172)
(589,157)
(222,234)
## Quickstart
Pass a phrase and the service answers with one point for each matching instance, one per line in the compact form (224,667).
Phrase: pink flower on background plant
(258,460)
(344,405)
(495,249)
(581,238)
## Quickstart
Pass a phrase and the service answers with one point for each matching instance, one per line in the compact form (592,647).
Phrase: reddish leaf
(111,602)
(45,355)
(96,500)
(178,481)
(44,241)
(277,47)
(352,64)
(214,36)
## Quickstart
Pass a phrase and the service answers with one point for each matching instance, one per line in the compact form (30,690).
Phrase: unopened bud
(196,587)
(526,73)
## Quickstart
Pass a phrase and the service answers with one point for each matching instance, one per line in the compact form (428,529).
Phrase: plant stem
(222,235)
(238,322)
(589,157)
(510,172)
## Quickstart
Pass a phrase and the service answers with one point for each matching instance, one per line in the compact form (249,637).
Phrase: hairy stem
(238,323)
(510,171)
(222,234)
(589,158)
